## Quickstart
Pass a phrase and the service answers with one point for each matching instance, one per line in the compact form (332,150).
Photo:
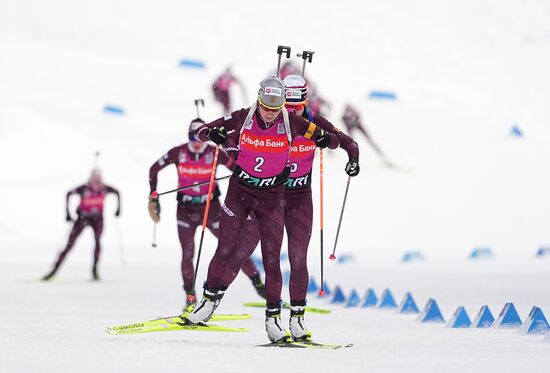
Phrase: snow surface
(464,72)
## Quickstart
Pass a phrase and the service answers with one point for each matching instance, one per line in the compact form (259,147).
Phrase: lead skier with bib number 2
(265,132)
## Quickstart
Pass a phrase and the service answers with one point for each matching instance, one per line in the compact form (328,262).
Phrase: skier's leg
(97,226)
(298,223)
(188,219)
(78,226)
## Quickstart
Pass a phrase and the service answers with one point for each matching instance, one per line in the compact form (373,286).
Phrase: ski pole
(322,291)
(194,185)
(332,256)
(280,50)
(154,244)
(307,56)
(206,209)
(197,102)
(120,244)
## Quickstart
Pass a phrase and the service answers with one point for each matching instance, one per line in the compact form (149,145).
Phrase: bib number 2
(259,163)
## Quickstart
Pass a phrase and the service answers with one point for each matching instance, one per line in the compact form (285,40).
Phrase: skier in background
(352,120)
(221,89)
(288,68)
(90,213)
(298,204)
(193,161)
(264,133)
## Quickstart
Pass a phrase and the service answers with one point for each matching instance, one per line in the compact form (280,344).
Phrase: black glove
(68,217)
(218,135)
(352,167)
(117,212)
(323,140)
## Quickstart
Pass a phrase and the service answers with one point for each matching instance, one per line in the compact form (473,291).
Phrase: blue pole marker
(370,299)
(484,318)
(382,95)
(460,319)
(412,256)
(481,252)
(339,296)
(516,131)
(193,64)
(543,251)
(387,300)
(408,305)
(508,317)
(112,109)
(353,300)
(312,286)
(431,313)
(535,323)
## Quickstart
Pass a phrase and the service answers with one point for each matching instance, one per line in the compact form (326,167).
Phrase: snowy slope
(464,72)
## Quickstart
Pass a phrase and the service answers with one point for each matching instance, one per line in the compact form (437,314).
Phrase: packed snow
(464,73)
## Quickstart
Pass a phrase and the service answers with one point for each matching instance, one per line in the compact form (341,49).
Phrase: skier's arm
(77,190)
(165,160)
(226,160)
(302,127)
(345,141)
(231,122)
(110,189)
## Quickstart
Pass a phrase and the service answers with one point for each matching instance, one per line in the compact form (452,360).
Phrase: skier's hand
(68,217)
(352,167)
(218,135)
(323,140)
(154,207)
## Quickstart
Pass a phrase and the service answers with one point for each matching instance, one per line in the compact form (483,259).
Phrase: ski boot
(49,276)
(296,324)
(274,326)
(95,276)
(203,311)
(258,285)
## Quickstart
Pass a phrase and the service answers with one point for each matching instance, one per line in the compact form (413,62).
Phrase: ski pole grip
(306,55)
(199,101)
(283,49)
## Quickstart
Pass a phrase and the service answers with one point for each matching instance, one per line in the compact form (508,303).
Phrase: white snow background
(465,72)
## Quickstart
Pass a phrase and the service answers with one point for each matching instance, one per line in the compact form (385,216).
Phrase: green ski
(177,319)
(173,327)
(287,306)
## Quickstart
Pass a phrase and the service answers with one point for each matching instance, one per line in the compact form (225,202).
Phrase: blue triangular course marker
(543,251)
(481,252)
(408,305)
(431,313)
(284,257)
(312,287)
(460,319)
(412,256)
(508,317)
(353,300)
(111,109)
(346,258)
(258,262)
(535,323)
(516,131)
(386,300)
(339,296)
(370,299)
(484,318)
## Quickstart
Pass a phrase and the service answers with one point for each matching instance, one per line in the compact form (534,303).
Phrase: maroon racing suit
(90,213)
(353,123)
(247,195)
(221,89)
(298,208)
(192,203)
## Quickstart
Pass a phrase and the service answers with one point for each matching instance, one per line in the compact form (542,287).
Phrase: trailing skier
(90,213)
(193,161)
